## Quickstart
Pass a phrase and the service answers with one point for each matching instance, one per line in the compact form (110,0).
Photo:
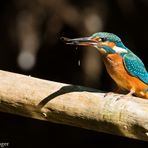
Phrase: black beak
(86,41)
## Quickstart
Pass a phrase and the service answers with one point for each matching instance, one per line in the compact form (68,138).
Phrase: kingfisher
(125,68)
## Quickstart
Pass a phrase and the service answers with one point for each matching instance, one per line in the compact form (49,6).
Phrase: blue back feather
(135,67)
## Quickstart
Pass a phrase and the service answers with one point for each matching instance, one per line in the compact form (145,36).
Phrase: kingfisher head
(106,43)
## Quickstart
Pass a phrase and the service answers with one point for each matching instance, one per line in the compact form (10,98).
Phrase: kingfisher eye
(100,39)
(103,39)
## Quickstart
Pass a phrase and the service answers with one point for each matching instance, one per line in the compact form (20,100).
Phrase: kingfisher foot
(109,93)
(132,91)
(115,91)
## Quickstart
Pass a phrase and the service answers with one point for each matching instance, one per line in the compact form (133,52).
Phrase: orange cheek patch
(96,39)
(111,44)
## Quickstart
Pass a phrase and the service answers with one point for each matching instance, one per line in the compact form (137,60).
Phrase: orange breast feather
(115,68)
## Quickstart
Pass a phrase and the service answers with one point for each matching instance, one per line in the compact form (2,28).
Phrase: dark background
(30,44)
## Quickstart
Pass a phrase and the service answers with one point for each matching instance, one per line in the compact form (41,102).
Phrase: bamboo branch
(73,105)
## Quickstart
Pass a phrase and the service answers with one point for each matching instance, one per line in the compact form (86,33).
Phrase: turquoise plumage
(132,63)
(108,36)
(135,67)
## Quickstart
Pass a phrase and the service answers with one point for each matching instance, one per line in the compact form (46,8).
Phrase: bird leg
(132,91)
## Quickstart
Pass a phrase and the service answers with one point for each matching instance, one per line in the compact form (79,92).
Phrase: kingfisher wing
(135,67)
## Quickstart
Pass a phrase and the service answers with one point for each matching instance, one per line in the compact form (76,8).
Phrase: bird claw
(122,97)
(118,96)
(125,96)
(109,93)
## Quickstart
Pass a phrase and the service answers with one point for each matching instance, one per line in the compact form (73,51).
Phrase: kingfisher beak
(86,41)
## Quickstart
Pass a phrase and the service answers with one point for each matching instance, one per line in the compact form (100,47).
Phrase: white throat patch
(119,49)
